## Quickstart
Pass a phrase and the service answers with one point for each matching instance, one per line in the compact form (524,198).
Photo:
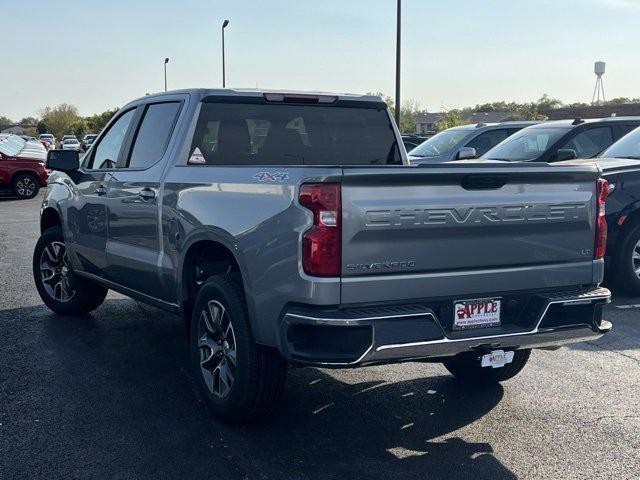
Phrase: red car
(22,166)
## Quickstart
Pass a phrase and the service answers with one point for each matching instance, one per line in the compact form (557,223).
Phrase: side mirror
(566,154)
(63,160)
(466,153)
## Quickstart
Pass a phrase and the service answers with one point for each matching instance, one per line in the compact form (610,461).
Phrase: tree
(42,127)
(79,127)
(28,122)
(451,119)
(5,121)
(98,121)
(60,119)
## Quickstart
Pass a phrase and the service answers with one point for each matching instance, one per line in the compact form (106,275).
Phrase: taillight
(321,243)
(602,191)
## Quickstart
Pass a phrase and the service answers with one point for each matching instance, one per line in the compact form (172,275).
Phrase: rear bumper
(356,337)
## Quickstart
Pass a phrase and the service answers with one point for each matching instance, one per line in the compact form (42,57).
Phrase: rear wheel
(466,367)
(59,287)
(240,380)
(25,185)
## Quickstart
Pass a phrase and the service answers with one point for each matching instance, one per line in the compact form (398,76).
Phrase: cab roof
(576,122)
(204,93)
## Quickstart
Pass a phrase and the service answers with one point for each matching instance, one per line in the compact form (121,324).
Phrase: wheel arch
(27,171)
(204,256)
(49,217)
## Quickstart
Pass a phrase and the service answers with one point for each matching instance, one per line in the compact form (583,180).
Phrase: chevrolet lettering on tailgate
(477,215)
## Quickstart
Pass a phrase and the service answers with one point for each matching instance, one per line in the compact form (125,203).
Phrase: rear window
(266,134)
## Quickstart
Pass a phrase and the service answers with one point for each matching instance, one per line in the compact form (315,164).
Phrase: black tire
(259,373)
(623,273)
(466,368)
(25,185)
(86,296)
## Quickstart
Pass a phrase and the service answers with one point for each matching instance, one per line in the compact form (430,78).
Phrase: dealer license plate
(476,313)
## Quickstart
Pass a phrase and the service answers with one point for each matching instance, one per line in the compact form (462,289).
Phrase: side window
(487,140)
(106,153)
(153,134)
(590,142)
(624,129)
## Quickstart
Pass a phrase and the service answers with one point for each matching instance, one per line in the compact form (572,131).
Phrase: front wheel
(59,287)
(240,380)
(466,368)
(626,269)
(25,186)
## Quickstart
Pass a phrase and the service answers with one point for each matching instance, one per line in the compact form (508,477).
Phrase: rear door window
(153,134)
(487,140)
(285,134)
(590,142)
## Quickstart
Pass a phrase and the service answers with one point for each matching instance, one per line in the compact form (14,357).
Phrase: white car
(71,144)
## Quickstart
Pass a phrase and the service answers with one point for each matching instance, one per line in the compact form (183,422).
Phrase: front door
(87,220)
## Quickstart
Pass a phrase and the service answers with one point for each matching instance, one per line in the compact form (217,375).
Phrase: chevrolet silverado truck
(289,229)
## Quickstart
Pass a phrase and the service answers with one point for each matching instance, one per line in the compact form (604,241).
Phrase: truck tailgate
(466,229)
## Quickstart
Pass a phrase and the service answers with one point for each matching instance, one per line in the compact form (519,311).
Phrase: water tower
(598,69)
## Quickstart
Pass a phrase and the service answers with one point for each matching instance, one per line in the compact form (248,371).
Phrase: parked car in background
(71,144)
(621,166)
(22,166)
(48,138)
(88,139)
(464,142)
(287,228)
(68,137)
(412,141)
(563,140)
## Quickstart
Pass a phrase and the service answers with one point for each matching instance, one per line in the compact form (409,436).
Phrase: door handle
(101,190)
(146,194)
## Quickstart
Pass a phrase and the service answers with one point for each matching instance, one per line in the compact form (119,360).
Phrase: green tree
(60,119)
(79,127)
(5,121)
(98,121)
(451,119)
(42,127)
(28,122)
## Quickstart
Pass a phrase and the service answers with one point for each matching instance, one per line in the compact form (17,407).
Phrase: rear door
(590,141)
(134,249)
(465,230)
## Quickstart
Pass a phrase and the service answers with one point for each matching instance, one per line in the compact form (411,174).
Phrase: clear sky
(100,54)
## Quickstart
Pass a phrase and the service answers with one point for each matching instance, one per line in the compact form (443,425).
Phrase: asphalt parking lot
(111,396)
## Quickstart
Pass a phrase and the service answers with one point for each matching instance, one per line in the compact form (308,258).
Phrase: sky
(100,54)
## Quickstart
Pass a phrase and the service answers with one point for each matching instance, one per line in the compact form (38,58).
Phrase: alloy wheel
(25,186)
(217,348)
(55,272)
(635,259)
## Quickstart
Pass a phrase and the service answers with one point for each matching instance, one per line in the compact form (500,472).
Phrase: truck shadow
(120,385)
(330,428)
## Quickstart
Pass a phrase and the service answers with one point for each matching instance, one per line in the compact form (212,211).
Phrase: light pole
(166,60)
(224,25)
(398,39)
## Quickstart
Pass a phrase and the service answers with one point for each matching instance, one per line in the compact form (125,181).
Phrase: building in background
(15,129)
(427,123)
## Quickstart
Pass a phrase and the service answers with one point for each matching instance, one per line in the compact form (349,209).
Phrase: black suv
(562,140)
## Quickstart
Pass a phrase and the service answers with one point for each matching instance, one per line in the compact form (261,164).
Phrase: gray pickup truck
(288,228)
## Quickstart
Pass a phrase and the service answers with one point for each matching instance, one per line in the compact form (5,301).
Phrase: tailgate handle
(483,182)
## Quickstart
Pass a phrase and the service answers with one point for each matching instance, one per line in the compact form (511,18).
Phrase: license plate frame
(474,313)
